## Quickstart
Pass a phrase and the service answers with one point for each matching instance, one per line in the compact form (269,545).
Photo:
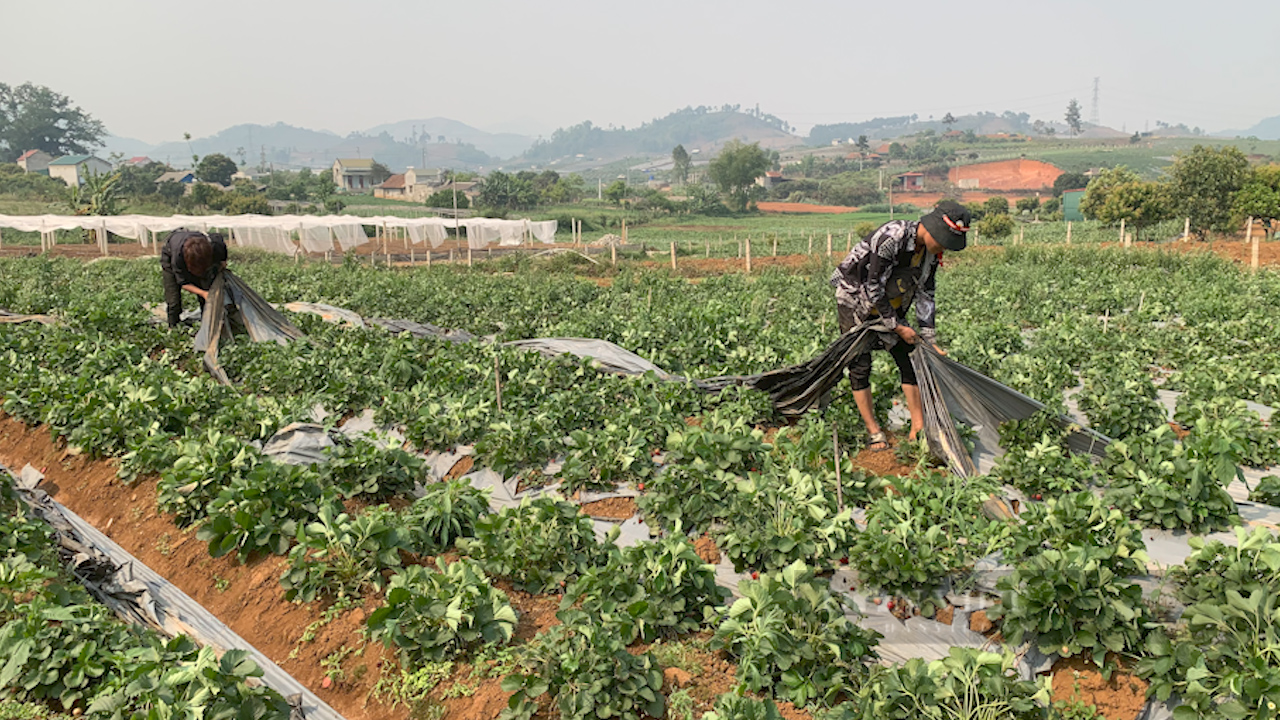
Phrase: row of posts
(49,239)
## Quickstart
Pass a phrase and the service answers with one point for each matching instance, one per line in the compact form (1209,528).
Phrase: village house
(75,169)
(353,174)
(36,161)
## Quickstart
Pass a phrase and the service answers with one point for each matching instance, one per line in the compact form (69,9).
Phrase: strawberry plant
(585,671)
(649,589)
(371,469)
(733,706)
(206,464)
(201,686)
(540,544)
(1222,661)
(968,683)
(1071,602)
(1255,443)
(1267,491)
(790,637)
(437,615)
(1081,519)
(446,512)
(1045,468)
(782,520)
(339,556)
(1119,398)
(260,511)
(1162,482)
(910,547)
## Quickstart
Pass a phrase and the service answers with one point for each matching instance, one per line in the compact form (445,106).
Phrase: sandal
(878,438)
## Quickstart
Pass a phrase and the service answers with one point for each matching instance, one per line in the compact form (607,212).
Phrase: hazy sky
(154,69)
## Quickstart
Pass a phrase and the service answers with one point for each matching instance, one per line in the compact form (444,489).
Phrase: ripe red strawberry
(641,486)
(327,682)
(890,605)
(755,576)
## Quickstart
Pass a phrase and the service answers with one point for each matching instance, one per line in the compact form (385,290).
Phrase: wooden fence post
(775,245)
(613,254)
(1068,232)
(1186,230)
(1124,239)
(468,253)
(673,256)
(748,246)
(828,244)
(810,244)
(1253,246)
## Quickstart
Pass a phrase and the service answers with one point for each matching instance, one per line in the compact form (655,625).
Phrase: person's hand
(938,349)
(203,293)
(907,334)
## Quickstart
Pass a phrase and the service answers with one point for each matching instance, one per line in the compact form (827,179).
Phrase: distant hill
(701,128)
(444,130)
(288,146)
(982,123)
(1267,129)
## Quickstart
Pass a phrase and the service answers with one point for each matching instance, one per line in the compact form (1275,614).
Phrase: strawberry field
(445,562)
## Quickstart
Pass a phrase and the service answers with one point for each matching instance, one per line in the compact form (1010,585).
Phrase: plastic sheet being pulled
(15,318)
(949,391)
(263,323)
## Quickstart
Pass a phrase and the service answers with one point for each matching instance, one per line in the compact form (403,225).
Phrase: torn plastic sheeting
(299,444)
(9,318)
(422,331)
(329,313)
(603,353)
(262,321)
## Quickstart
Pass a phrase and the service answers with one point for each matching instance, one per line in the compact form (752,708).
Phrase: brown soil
(619,508)
(980,623)
(882,462)
(536,612)
(246,597)
(460,468)
(945,615)
(706,675)
(1120,698)
(1021,174)
(707,550)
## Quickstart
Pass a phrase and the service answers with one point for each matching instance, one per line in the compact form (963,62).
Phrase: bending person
(879,280)
(191,261)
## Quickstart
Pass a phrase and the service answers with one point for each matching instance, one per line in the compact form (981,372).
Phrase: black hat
(948,224)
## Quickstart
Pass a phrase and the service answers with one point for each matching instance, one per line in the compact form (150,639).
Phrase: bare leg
(866,408)
(914,407)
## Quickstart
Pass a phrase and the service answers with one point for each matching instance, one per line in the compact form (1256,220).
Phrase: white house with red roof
(35,161)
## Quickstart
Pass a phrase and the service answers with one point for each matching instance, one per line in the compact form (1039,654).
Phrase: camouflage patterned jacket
(887,271)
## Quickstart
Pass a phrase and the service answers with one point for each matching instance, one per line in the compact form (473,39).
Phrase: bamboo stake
(613,254)
(673,256)
(775,245)
(468,254)
(706,251)
(497,381)
(1068,232)
(1124,239)
(1253,250)
(748,246)
(828,244)
(835,451)
(1186,230)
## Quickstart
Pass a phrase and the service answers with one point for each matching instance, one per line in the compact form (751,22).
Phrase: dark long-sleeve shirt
(884,273)
(171,260)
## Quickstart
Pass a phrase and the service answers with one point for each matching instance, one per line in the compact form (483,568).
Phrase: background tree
(502,191)
(1095,195)
(1139,203)
(863,144)
(1073,116)
(948,120)
(616,191)
(1069,181)
(33,117)
(140,180)
(99,195)
(216,168)
(681,162)
(1205,182)
(380,173)
(1027,205)
(171,191)
(1135,138)
(735,171)
(444,199)
(996,205)
(1260,196)
(898,151)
